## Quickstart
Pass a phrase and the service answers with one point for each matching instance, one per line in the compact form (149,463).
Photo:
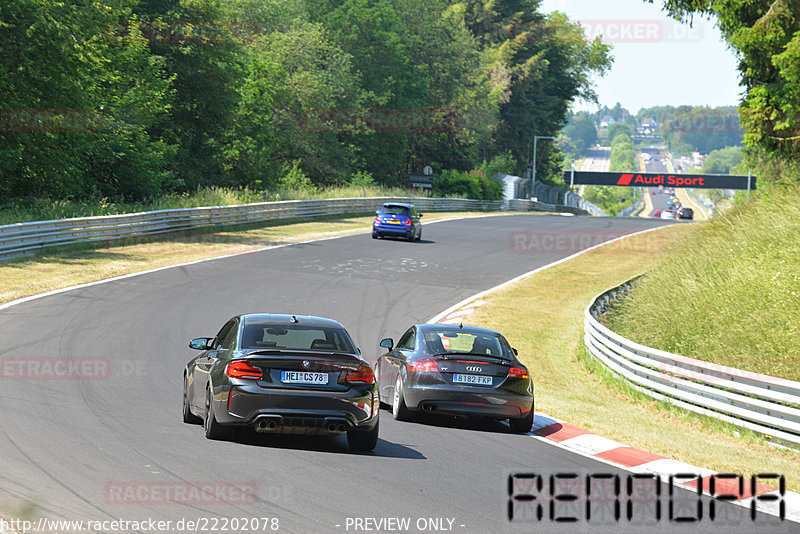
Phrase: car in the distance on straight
(667,214)
(455,370)
(397,220)
(285,374)
(657,213)
(686,213)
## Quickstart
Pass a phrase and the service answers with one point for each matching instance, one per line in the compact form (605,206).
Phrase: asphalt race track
(112,445)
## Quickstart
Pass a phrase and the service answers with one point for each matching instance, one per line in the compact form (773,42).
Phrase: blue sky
(657,61)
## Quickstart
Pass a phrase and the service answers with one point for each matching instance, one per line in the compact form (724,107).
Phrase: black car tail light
(242,369)
(362,375)
(518,372)
(424,366)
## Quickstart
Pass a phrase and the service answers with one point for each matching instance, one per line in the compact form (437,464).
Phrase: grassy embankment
(724,291)
(730,294)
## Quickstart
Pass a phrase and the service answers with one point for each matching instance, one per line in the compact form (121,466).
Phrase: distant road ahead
(597,159)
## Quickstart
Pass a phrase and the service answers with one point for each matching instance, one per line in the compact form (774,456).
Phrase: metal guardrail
(27,238)
(630,209)
(764,404)
(516,187)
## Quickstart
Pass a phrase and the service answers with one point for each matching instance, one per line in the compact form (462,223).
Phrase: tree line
(135,98)
(765,34)
(684,129)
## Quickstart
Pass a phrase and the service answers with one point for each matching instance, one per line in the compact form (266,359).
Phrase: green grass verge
(546,325)
(729,293)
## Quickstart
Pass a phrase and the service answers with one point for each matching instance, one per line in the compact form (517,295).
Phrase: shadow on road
(332,444)
(465,423)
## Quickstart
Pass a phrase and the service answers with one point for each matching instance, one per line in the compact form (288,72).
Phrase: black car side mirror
(387,343)
(420,215)
(201,343)
(514,351)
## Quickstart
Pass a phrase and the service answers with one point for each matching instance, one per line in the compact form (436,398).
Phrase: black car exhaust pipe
(341,428)
(266,425)
(332,427)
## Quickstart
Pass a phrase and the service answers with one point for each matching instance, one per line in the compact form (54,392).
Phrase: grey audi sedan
(455,370)
(282,373)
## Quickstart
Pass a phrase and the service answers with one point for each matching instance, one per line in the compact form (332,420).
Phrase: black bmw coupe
(282,373)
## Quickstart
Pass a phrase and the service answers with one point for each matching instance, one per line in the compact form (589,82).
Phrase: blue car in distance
(397,220)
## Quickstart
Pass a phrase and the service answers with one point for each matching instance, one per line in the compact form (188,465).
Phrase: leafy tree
(703,129)
(611,199)
(79,102)
(619,128)
(618,113)
(623,153)
(723,160)
(135,98)
(290,76)
(200,47)
(766,36)
(550,64)
(502,163)
(581,131)
(472,184)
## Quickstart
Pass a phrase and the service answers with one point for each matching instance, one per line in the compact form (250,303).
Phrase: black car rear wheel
(363,440)
(399,409)
(213,429)
(523,424)
(188,416)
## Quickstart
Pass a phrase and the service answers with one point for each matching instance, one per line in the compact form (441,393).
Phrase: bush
(473,184)
(294,179)
(362,179)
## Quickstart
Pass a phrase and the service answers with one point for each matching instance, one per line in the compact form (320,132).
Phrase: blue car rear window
(394,210)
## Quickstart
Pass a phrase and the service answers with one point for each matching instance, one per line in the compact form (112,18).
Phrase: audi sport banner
(655,179)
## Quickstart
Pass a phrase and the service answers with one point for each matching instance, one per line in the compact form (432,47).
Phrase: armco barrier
(25,238)
(630,209)
(764,404)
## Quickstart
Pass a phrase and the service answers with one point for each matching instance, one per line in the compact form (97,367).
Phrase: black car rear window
(296,337)
(394,210)
(455,340)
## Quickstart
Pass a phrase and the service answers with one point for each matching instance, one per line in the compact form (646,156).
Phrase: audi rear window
(458,341)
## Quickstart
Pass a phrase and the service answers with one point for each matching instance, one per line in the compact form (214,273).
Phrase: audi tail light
(424,366)
(518,372)
(242,369)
